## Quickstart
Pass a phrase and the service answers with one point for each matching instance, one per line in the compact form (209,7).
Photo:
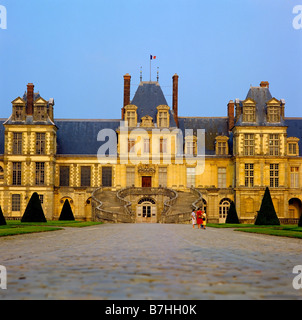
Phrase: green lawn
(291,231)
(17,227)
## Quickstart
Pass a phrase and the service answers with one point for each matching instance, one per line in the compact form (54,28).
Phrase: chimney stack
(264,84)
(127,81)
(231,116)
(175,97)
(30,99)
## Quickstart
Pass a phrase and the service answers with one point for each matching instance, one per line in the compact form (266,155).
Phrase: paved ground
(149,262)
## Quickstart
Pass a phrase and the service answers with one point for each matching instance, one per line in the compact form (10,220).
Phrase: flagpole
(150,67)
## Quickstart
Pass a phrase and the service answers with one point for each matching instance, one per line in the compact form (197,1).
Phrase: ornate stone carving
(146,169)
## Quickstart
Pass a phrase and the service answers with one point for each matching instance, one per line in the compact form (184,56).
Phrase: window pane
(107,177)
(85,176)
(64,176)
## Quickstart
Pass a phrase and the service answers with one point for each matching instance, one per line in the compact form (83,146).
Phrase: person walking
(193,219)
(204,220)
(199,218)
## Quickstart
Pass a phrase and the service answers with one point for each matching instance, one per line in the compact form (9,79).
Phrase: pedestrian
(204,220)
(193,219)
(199,217)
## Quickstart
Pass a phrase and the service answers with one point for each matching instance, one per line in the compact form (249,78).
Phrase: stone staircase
(110,202)
(183,203)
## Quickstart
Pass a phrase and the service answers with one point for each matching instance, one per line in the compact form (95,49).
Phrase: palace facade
(152,165)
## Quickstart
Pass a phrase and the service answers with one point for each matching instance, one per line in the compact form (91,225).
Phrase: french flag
(152,57)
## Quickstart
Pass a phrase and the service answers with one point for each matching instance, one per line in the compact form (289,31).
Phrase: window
(39,113)
(190,177)
(41,198)
(17,143)
(1,173)
(221,148)
(163,145)
(16,202)
(146,145)
(249,144)
(292,149)
(18,113)
(131,118)
(249,114)
(40,143)
(294,177)
(221,177)
(249,174)
(273,114)
(131,146)
(274,175)
(40,173)
(163,119)
(107,176)
(130,176)
(85,176)
(162,177)
(274,144)
(64,176)
(17,175)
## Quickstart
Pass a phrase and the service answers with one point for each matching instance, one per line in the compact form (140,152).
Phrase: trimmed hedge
(34,211)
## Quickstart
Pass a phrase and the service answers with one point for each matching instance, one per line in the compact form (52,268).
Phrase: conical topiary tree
(267,214)
(232,216)
(34,211)
(66,213)
(2,219)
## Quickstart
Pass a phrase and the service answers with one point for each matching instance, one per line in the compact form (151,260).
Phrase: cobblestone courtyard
(149,261)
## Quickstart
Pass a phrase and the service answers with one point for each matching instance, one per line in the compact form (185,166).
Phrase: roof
(261,95)
(213,127)
(79,137)
(147,98)
(295,130)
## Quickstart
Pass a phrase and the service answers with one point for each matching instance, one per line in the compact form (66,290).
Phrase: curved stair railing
(185,217)
(98,213)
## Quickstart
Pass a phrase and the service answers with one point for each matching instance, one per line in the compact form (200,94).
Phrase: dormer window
(222,147)
(18,110)
(191,146)
(249,110)
(274,110)
(40,110)
(131,115)
(293,146)
(163,118)
(273,114)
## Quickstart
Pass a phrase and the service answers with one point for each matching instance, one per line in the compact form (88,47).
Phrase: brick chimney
(30,99)
(231,115)
(175,97)
(264,84)
(127,81)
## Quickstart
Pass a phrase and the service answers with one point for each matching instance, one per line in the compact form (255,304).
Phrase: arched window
(224,207)
(1,173)
(146,200)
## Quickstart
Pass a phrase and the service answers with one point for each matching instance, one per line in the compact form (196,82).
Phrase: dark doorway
(146,182)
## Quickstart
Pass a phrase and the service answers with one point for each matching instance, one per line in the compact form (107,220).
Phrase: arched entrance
(146,211)
(224,207)
(294,208)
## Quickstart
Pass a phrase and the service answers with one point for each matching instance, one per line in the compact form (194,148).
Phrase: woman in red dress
(199,218)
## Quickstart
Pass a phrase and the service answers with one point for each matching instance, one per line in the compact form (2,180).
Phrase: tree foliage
(66,213)
(34,211)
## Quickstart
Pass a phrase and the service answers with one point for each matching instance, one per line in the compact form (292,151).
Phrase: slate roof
(295,130)
(261,95)
(213,127)
(79,137)
(147,98)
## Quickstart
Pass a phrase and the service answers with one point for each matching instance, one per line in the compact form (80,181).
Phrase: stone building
(152,165)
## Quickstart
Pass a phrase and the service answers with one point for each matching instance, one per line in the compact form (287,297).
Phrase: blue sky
(78,51)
